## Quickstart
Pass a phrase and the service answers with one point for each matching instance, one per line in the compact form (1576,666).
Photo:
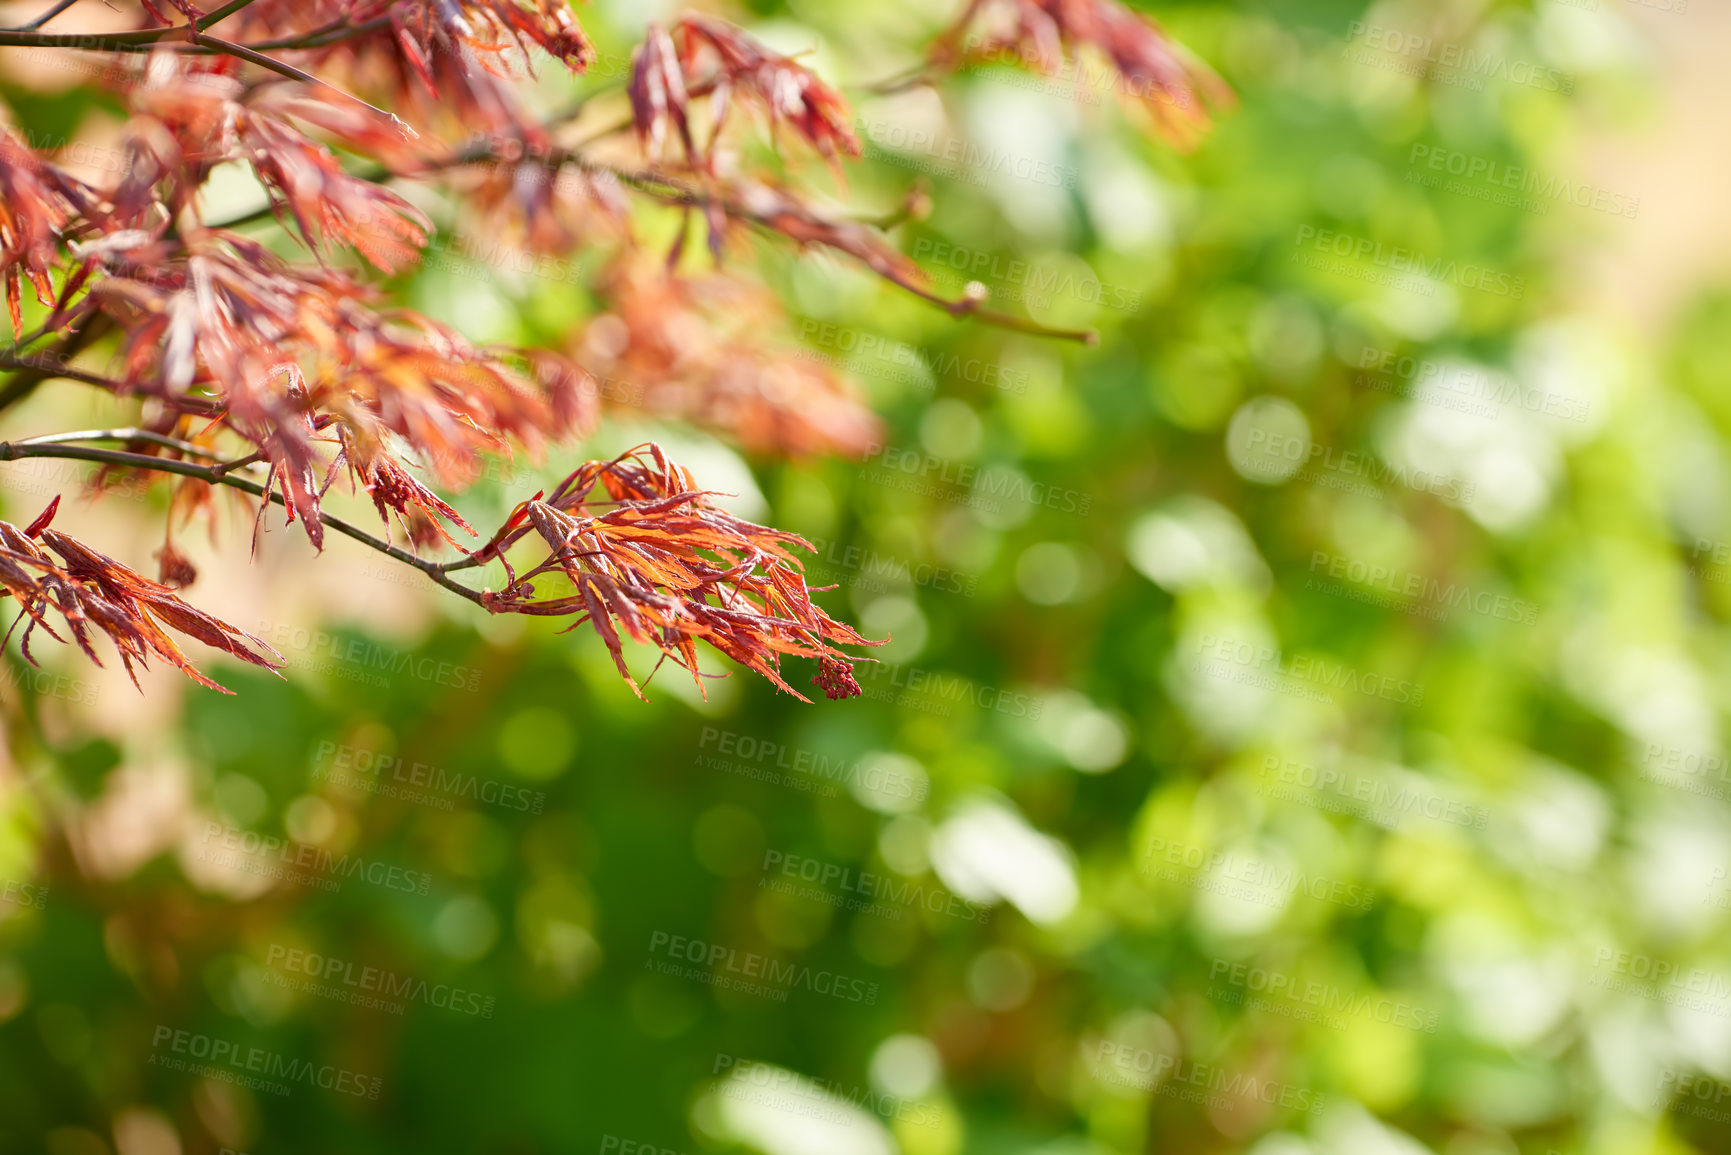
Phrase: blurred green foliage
(1299,730)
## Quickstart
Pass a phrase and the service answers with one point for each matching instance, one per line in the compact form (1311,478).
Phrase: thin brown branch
(128,434)
(970,304)
(221,14)
(254,57)
(211,475)
(44,368)
(332,33)
(147,39)
(223,467)
(29,338)
(138,41)
(34,369)
(62,6)
(901,82)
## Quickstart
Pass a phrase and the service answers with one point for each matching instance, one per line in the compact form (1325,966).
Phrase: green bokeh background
(1166,524)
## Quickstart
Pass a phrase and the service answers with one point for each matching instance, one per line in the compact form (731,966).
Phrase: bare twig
(42,369)
(128,434)
(332,33)
(223,467)
(901,82)
(970,304)
(34,369)
(145,40)
(210,474)
(141,40)
(46,16)
(254,57)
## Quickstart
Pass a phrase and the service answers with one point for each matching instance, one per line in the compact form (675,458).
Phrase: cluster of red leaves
(193,119)
(697,345)
(702,54)
(276,346)
(553,210)
(95,594)
(1154,69)
(392,487)
(327,204)
(572,391)
(37,202)
(302,364)
(647,555)
(783,213)
(488,28)
(444,66)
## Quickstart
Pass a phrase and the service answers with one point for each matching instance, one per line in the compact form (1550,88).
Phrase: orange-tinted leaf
(95,594)
(648,556)
(1153,70)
